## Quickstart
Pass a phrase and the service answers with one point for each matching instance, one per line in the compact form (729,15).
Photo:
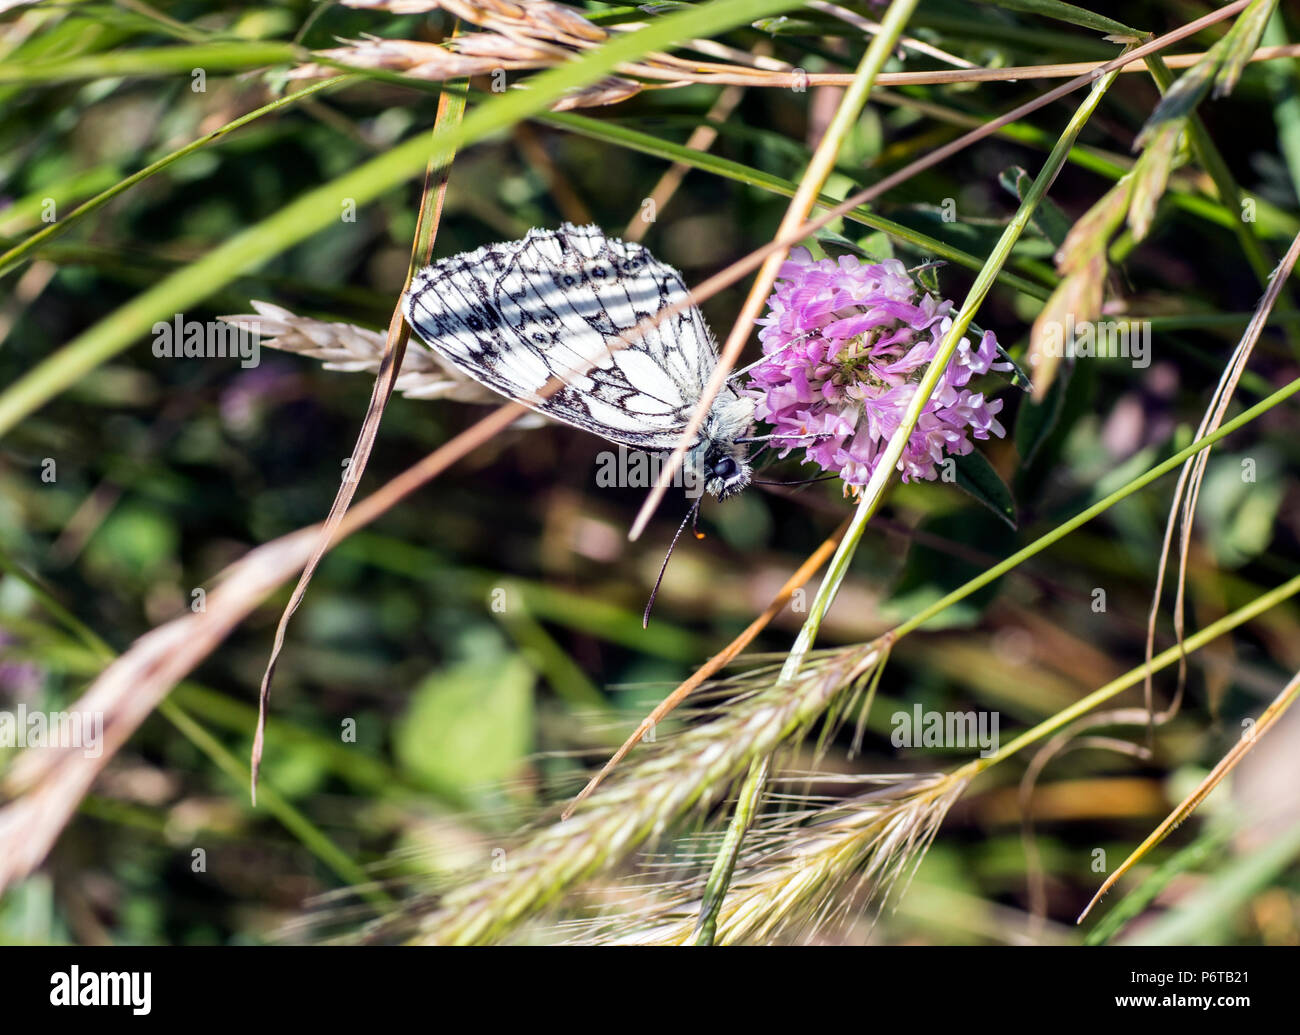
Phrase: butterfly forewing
(557,303)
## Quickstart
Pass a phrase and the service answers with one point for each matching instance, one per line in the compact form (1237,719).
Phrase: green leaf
(1182,98)
(1286,101)
(1064,12)
(154,61)
(878,245)
(975,475)
(783,25)
(1242,42)
(825,236)
(874,247)
(470,725)
(927,275)
(1048,219)
(1220,68)
(1016,375)
(1239,504)
(1036,421)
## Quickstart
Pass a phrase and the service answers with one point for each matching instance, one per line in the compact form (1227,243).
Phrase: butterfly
(557,304)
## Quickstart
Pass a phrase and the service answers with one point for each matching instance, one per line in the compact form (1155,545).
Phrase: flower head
(847,342)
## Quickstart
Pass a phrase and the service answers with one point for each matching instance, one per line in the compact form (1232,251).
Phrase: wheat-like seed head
(800,870)
(645,799)
(353,349)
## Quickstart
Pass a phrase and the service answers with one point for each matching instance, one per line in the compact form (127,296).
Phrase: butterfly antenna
(752,458)
(805,481)
(792,438)
(690,517)
(764,358)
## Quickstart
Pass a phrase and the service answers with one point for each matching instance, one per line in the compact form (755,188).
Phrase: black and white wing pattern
(513,315)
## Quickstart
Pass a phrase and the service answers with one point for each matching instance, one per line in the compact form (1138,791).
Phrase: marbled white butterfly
(513,315)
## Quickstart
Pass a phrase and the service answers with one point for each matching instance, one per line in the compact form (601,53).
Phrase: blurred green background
(469,720)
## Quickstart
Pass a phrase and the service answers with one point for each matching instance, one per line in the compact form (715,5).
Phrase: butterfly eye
(725,468)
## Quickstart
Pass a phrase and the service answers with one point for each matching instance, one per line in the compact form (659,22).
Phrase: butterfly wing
(513,315)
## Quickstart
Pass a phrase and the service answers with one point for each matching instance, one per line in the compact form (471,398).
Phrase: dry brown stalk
(1188,805)
(534,34)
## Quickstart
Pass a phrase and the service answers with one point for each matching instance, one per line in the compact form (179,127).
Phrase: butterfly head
(726,471)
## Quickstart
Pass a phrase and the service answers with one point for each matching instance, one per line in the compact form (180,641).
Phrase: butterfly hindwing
(513,315)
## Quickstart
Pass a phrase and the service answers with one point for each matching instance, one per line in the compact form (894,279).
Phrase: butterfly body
(562,303)
(717,458)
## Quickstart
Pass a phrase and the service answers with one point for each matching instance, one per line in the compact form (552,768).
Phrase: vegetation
(1059,664)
